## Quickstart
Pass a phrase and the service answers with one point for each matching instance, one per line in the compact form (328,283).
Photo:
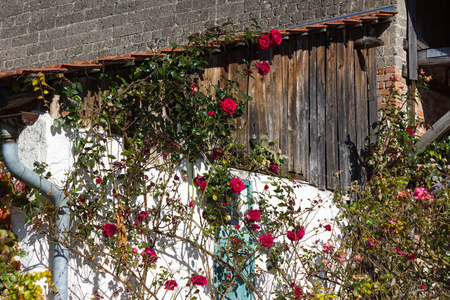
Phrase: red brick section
(120,59)
(389,79)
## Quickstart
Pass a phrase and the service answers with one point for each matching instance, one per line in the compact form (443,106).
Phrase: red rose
(149,256)
(141,216)
(266,240)
(327,227)
(228,105)
(263,68)
(201,182)
(264,42)
(274,167)
(253,215)
(266,187)
(170,285)
(248,71)
(237,186)
(275,37)
(411,257)
(109,229)
(199,280)
(411,131)
(210,113)
(217,153)
(98,180)
(297,234)
(255,227)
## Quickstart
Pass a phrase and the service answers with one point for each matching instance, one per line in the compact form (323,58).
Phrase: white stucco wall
(40,143)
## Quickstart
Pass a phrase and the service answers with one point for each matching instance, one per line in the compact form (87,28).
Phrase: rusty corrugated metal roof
(130,57)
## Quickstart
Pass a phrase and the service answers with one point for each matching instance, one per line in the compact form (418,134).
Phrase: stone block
(70,19)
(99,12)
(25,40)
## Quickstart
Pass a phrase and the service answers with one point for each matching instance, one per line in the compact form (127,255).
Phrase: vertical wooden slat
(276,85)
(321,110)
(360,97)
(235,60)
(268,95)
(297,127)
(253,108)
(313,126)
(342,108)
(350,87)
(372,92)
(331,141)
(284,95)
(292,115)
(303,134)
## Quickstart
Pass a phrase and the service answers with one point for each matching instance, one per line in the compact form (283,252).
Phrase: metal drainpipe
(12,162)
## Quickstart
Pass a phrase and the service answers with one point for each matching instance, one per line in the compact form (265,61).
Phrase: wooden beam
(424,61)
(438,131)
(412,41)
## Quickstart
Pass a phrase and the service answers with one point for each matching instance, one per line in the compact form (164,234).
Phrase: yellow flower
(215,197)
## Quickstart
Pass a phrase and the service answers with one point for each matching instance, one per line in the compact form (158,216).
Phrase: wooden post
(412,41)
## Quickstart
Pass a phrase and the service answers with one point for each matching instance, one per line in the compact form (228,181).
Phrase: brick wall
(36,33)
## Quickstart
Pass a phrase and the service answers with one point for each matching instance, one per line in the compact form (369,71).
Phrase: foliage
(397,223)
(14,284)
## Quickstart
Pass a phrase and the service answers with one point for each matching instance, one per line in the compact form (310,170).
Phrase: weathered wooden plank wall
(318,101)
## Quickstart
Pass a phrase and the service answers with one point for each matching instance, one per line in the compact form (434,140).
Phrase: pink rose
(255,227)
(253,215)
(98,180)
(228,275)
(194,89)
(228,105)
(199,280)
(297,292)
(297,234)
(149,256)
(109,229)
(264,42)
(191,203)
(210,113)
(176,177)
(275,37)
(328,247)
(170,285)
(200,181)
(134,250)
(238,227)
(327,227)
(274,167)
(266,240)
(372,243)
(263,68)
(237,186)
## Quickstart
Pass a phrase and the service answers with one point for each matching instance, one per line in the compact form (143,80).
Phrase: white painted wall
(40,143)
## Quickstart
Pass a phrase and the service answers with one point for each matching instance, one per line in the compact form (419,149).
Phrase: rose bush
(386,244)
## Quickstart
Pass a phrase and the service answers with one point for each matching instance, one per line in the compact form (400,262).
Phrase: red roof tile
(121,59)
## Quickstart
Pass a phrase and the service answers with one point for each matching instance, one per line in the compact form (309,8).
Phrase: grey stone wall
(37,33)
